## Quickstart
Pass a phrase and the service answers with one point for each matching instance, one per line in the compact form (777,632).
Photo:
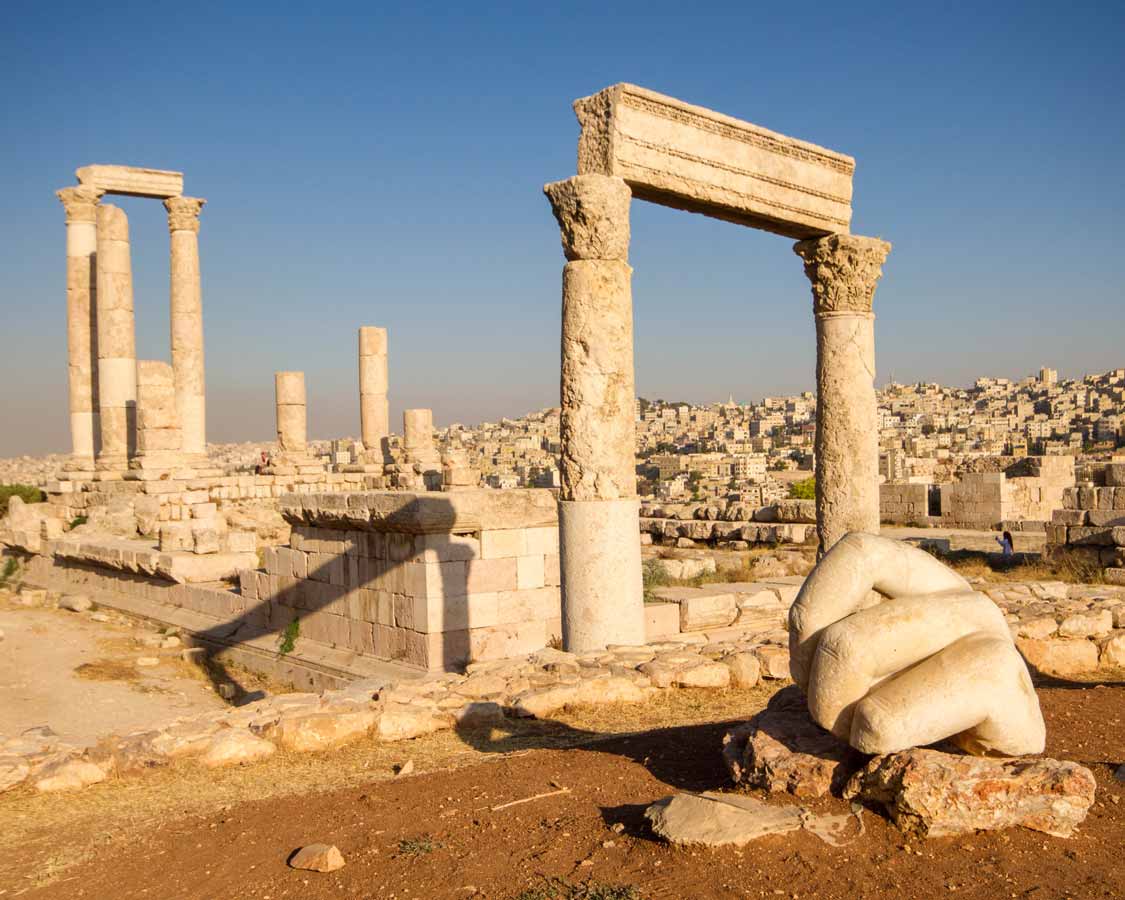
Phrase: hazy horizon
(370,167)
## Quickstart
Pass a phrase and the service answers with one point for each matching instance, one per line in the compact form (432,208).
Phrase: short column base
(600,556)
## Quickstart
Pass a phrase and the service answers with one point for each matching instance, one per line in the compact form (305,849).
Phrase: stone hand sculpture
(923,659)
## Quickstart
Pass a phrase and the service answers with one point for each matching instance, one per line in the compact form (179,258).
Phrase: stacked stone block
(292,415)
(904,502)
(1092,522)
(434,598)
(159,440)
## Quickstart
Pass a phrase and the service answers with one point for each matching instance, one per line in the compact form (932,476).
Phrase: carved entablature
(80,203)
(183,213)
(843,270)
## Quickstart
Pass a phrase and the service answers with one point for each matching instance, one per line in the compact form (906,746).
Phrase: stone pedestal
(292,419)
(844,270)
(117,355)
(602,598)
(81,329)
(159,441)
(374,411)
(187,321)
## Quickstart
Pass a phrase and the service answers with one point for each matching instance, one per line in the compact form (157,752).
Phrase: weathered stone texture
(187,320)
(843,270)
(132,180)
(688,157)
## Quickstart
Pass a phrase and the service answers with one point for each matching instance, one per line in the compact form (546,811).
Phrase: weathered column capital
(593,216)
(843,269)
(80,203)
(183,213)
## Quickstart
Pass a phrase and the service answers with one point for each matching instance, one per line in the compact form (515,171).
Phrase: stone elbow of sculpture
(894,650)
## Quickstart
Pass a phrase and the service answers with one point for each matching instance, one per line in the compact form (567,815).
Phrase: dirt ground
(80,677)
(438,834)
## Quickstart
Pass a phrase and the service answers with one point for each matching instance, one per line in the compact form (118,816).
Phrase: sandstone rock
(615,689)
(782,750)
(717,820)
(235,746)
(1059,657)
(318,858)
(323,731)
(479,715)
(399,722)
(13,772)
(745,669)
(934,794)
(774,661)
(1113,653)
(1088,624)
(542,702)
(708,675)
(69,775)
(1038,628)
(75,602)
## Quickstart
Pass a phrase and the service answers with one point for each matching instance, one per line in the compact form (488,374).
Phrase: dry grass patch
(108,670)
(57,831)
(1062,566)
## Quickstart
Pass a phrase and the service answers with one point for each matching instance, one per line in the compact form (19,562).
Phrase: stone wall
(1091,523)
(431,580)
(904,503)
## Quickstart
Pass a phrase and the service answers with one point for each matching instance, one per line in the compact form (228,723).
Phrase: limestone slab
(132,180)
(692,158)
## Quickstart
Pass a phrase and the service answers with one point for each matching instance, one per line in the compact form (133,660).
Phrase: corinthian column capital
(183,213)
(843,269)
(593,216)
(80,203)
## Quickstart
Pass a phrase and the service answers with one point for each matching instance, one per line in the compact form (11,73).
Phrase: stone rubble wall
(904,503)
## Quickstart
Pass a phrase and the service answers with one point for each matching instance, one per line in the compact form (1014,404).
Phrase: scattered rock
(781,749)
(146,662)
(405,769)
(774,661)
(717,820)
(13,772)
(318,858)
(745,669)
(1059,657)
(76,602)
(324,730)
(69,775)
(1120,773)
(169,642)
(1113,653)
(400,722)
(708,675)
(235,746)
(935,794)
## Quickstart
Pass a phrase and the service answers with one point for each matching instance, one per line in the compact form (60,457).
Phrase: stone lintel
(688,157)
(460,512)
(132,181)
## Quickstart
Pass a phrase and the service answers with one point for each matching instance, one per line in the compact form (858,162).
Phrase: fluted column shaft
(81,203)
(187,321)
(844,270)
(600,555)
(117,354)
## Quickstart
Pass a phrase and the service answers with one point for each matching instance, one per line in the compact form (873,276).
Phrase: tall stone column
(117,354)
(602,599)
(81,204)
(187,321)
(844,269)
(292,416)
(374,412)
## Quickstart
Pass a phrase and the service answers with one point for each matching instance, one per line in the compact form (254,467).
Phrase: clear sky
(382,164)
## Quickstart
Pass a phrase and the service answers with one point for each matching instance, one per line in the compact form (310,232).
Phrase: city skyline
(419,207)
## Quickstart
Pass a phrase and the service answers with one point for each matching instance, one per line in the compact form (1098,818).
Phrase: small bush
(288,640)
(653,575)
(558,889)
(803,490)
(10,568)
(26,492)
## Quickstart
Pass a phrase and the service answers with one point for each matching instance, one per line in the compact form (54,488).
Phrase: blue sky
(375,164)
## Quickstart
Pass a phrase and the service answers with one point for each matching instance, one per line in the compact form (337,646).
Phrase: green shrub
(803,490)
(288,640)
(653,575)
(26,492)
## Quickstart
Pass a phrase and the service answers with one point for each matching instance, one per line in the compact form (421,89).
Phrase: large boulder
(782,750)
(934,794)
